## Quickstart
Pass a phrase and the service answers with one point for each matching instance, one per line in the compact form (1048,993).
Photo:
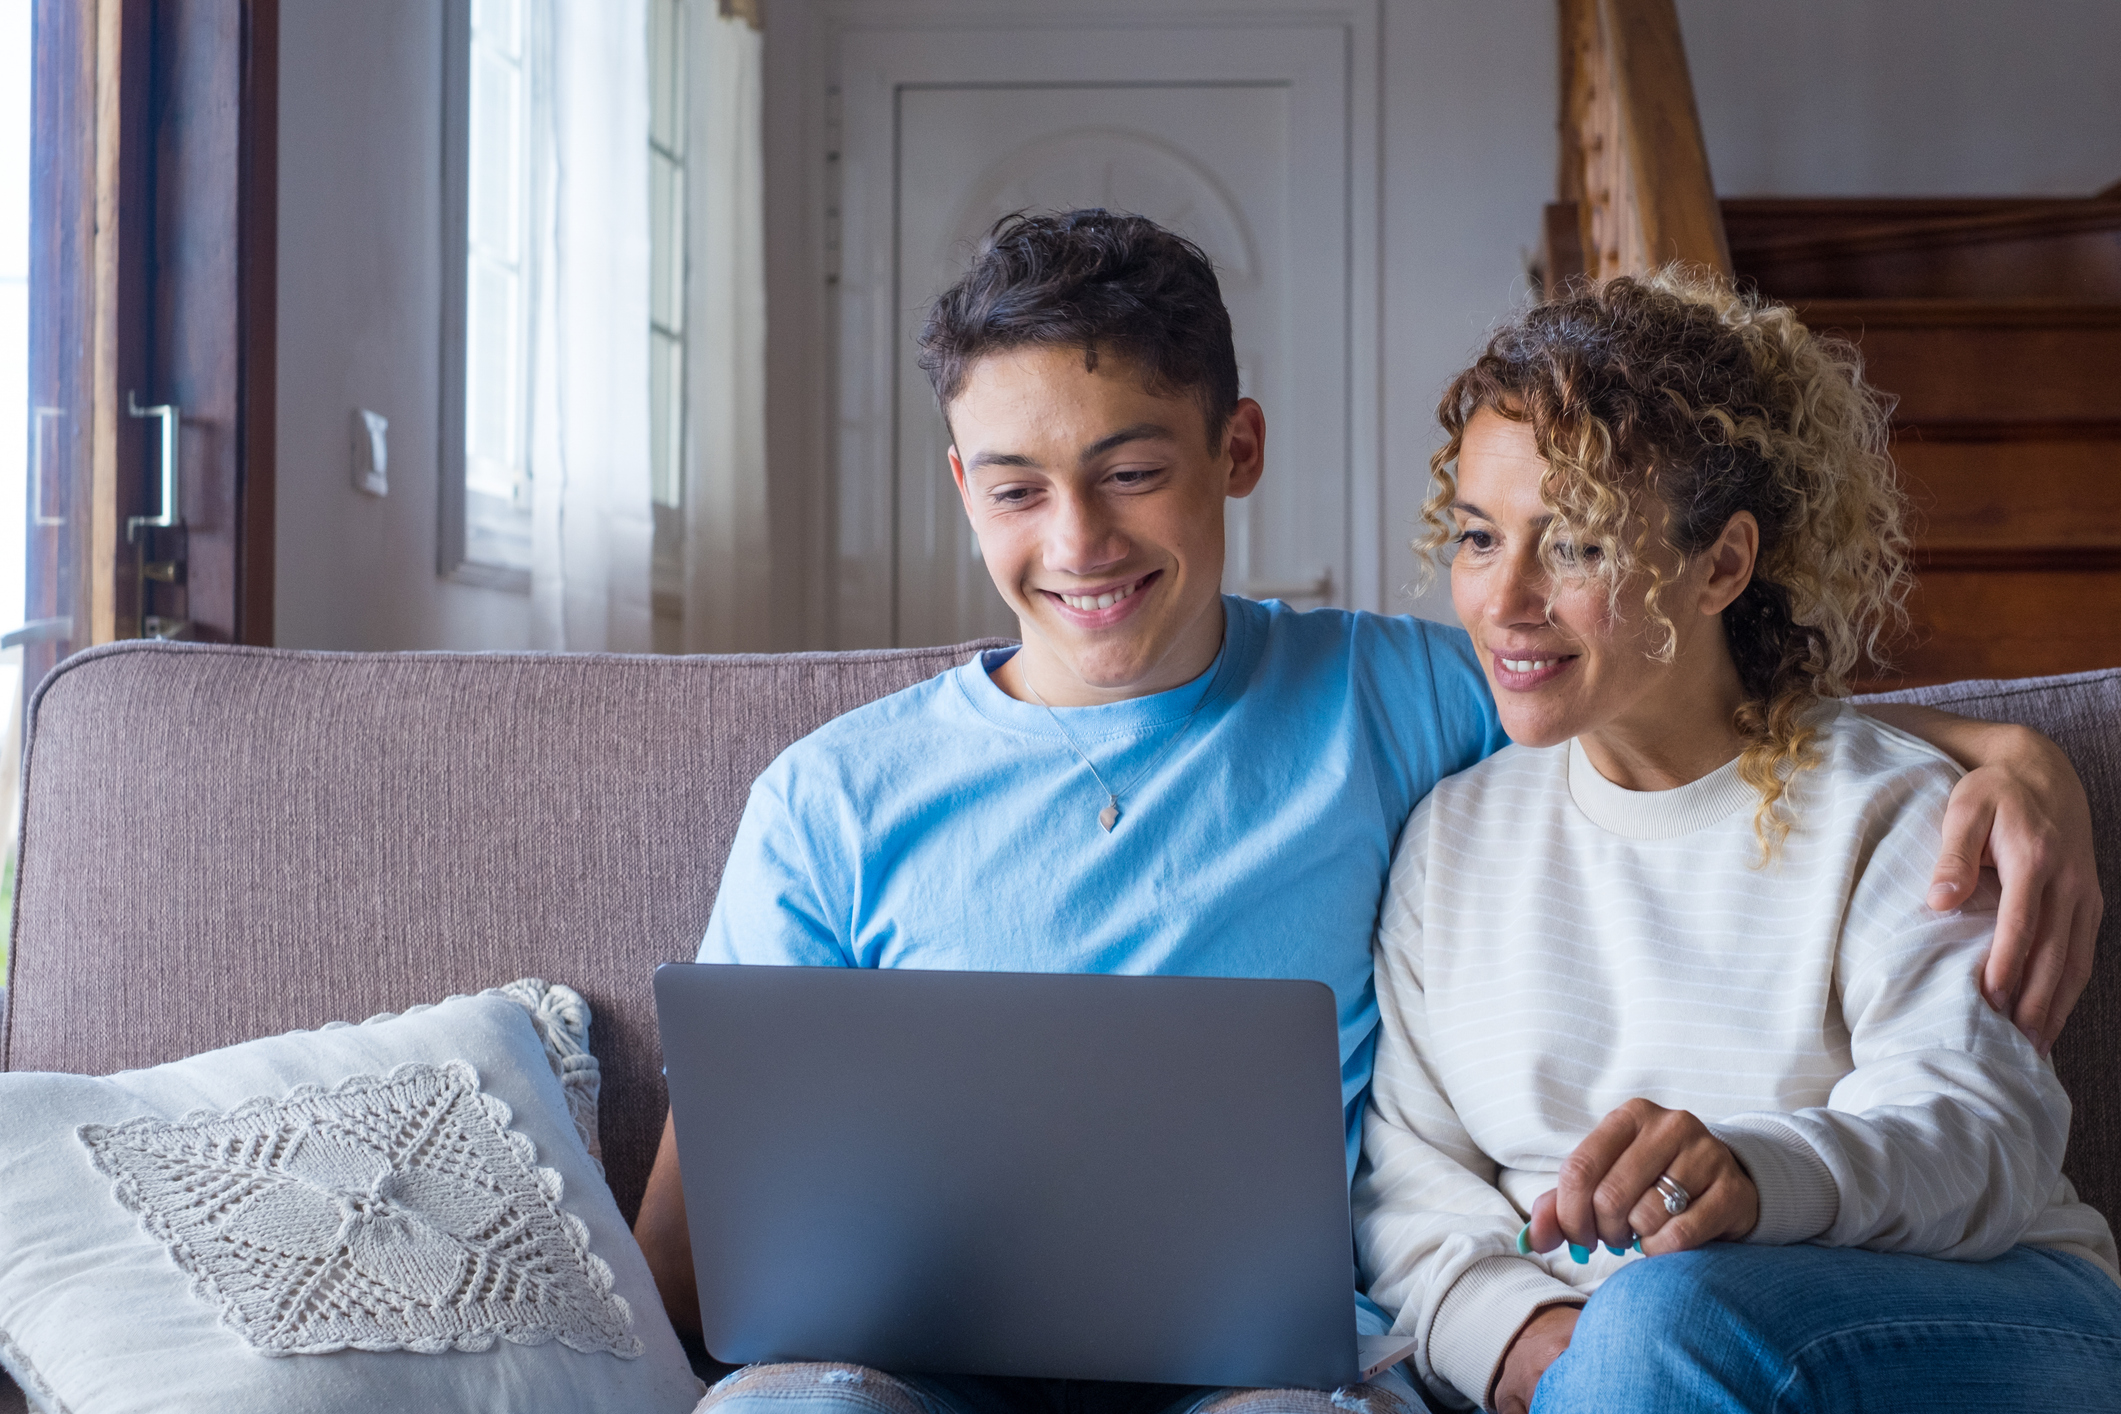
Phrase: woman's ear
(1730,563)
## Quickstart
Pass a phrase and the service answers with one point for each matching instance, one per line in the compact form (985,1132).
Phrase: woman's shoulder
(1865,763)
(1504,785)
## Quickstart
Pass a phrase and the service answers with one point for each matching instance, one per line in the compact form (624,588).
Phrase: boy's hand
(2021,809)
(2027,816)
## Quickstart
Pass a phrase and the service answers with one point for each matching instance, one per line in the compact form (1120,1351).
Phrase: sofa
(221,843)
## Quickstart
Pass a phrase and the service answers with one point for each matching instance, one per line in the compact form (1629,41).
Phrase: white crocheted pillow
(403,1214)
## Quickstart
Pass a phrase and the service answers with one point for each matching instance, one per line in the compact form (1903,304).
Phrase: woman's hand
(1537,1344)
(2022,809)
(1609,1192)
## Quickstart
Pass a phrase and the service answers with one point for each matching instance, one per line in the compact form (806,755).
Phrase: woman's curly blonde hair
(1678,388)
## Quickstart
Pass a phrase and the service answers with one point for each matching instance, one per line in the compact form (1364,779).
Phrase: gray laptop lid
(1116,1178)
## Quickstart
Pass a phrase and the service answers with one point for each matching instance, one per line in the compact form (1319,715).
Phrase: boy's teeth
(1096,601)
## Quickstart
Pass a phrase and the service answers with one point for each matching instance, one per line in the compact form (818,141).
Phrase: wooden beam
(1674,198)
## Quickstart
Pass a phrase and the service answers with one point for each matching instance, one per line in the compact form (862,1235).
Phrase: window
(666,326)
(486,453)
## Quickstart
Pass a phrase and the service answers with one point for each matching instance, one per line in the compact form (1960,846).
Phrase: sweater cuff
(1481,1314)
(1798,1197)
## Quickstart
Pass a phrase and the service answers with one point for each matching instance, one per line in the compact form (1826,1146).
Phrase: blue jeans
(853,1389)
(1793,1330)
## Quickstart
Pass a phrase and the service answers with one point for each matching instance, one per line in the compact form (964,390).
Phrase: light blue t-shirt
(951,826)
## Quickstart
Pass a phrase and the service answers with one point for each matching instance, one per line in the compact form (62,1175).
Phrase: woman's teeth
(1097,601)
(1529,665)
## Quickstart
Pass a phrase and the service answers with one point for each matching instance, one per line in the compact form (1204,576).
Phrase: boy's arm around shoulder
(1946,1137)
(2021,809)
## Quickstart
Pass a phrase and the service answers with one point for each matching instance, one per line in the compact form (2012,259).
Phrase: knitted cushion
(396,1214)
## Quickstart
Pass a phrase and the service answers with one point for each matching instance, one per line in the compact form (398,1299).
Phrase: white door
(1237,135)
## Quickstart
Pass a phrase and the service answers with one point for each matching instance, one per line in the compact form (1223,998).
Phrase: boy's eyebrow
(987,459)
(1139,432)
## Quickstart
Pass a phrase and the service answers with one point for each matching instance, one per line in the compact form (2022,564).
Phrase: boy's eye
(1134,475)
(1010,495)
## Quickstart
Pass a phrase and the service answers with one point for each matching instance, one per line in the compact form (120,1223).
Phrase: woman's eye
(1478,539)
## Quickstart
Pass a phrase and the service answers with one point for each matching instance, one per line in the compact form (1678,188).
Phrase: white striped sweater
(1552,945)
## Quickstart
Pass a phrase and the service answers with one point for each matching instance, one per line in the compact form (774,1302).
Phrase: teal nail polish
(1524,1240)
(1638,1245)
(1579,1255)
(1616,1251)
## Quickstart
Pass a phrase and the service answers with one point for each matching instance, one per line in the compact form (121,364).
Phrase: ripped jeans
(854,1389)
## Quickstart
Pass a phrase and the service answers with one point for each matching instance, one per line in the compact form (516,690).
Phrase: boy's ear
(1245,443)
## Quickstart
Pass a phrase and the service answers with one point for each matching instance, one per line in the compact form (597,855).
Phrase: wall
(1908,97)
(1469,155)
(360,326)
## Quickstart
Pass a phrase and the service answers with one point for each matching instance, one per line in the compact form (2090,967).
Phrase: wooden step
(1984,624)
(2007,434)
(2028,248)
(2014,496)
(1989,361)
(1997,248)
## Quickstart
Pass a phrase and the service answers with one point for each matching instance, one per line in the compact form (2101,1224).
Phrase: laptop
(1060,1176)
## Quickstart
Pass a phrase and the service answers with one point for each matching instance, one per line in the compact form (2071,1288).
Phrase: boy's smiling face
(1098,505)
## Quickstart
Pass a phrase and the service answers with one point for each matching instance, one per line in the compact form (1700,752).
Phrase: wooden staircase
(1994,322)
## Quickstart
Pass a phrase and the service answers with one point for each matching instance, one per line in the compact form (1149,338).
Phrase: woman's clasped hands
(1618,1188)
(1609,1188)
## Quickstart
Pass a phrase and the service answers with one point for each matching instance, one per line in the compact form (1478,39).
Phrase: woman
(1657,984)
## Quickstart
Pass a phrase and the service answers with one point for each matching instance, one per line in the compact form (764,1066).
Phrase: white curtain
(728,549)
(591,526)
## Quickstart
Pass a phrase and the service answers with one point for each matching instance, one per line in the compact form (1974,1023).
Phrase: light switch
(371,452)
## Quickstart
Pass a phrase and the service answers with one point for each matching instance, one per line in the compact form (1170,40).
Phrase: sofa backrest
(2082,712)
(220,843)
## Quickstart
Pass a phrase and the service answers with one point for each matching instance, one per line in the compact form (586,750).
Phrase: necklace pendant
(1109,816)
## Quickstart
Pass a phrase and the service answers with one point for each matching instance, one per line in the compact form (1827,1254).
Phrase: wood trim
(258,243)
(123,310)
(2039,219)
(2053,430)
(1957,313)
(2050,559)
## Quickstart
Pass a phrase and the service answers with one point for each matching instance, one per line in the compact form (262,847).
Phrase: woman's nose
(1519,591)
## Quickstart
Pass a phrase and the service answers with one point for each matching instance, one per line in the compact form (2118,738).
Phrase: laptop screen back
(1118,1178)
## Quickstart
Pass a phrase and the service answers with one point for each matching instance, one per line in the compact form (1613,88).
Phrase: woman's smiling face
(1567,658)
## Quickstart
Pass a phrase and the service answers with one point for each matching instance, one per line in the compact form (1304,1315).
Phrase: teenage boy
(1162,779)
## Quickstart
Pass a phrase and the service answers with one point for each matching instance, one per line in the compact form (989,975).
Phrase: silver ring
(1675,1197)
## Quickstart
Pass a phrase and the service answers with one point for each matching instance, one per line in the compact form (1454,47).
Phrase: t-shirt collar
(1223,677)
(1655,814)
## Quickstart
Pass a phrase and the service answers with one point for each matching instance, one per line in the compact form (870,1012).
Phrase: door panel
(1238,135)
(151,253)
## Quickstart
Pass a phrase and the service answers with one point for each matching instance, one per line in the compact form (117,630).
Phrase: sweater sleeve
(1946,1136)
(1436,1237)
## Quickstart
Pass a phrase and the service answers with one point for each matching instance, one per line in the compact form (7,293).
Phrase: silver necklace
(1109,816)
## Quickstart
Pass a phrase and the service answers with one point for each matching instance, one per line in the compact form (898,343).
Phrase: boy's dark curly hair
(1104,282)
